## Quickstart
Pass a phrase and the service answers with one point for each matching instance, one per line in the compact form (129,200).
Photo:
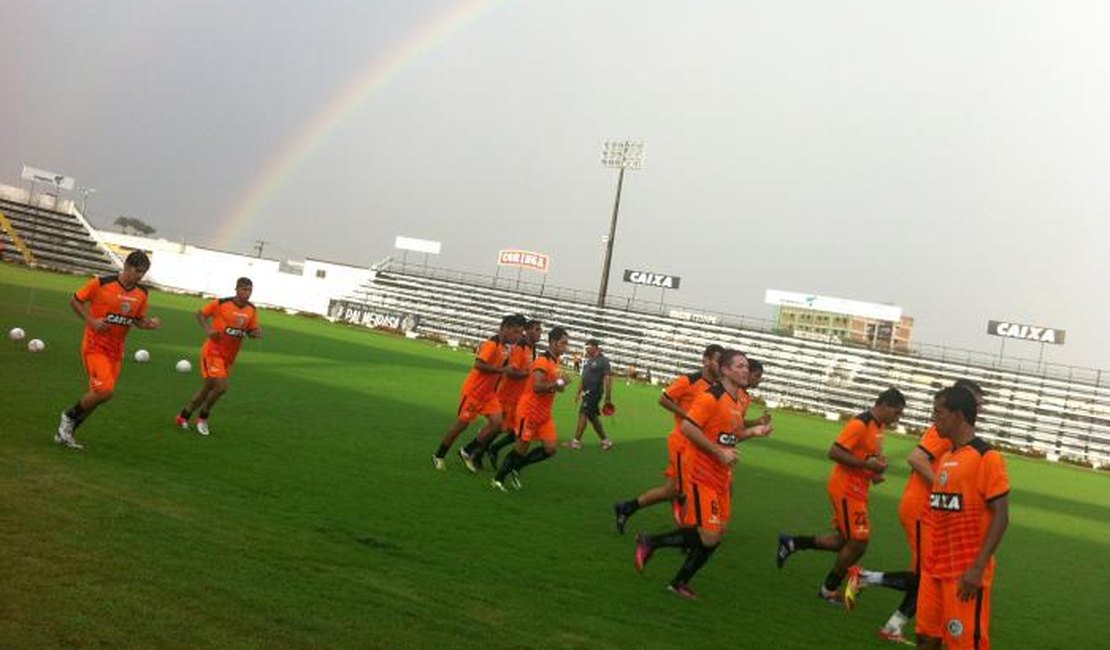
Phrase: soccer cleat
(683,590)
(498,484)
(894,635)
(606,444)
(643,551)
(622,517)
(786,548)
(514,480)
(575,443)
(439,463)
(202,427)
(182,422)
(831,597)
(468,461)
(852,587)
(64,436)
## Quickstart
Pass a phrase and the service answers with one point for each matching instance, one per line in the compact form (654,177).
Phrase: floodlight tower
(626,154)
(85,192)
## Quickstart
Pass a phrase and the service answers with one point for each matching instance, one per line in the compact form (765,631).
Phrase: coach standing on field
(597,375)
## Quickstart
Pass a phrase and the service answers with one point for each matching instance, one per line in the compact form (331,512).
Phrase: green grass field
(312,516)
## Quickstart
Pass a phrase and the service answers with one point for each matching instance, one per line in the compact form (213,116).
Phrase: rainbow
(375,76)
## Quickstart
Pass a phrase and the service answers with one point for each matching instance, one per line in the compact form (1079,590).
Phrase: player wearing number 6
(858,461)
(226,322)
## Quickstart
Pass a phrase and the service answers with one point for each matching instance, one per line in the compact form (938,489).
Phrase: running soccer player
(109,305)
(479,391)
(858,460)
(512,387)
(597,378)
(911,512)
(226,322)
(713,428)
(969,510)
(534,412)
(676,398)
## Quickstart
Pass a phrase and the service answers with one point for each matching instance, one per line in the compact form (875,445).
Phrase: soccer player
(512,387)
(534,412)
(109,305)
(479,391)
(713,428)
(911,511)
(858,461)
(676,398)
(597,376)
(226,322)
(969,510)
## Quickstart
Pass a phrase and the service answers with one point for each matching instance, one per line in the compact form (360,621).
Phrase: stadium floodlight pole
(85,192)
(626,154)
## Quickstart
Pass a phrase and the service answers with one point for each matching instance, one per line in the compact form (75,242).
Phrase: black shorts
(591,401)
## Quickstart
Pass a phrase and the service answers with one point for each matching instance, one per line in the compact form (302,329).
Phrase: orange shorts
(706,508)
(509,420)
(914,528)
(213,366)
(470,407)
(545,430)
(102,371)
(850,517)
(942,615)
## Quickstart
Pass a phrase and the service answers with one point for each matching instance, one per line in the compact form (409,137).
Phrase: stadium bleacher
(58,240)
(1061,414)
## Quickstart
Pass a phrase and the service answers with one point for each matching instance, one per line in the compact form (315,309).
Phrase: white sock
(871,578)
(897,622)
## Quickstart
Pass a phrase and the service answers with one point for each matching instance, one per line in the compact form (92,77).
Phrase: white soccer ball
(36,345)
(184,366)
(16,333)
(142,356)
(560,382)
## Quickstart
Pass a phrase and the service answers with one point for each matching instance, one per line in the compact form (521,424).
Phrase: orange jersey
(719,416)
(968,478)
(479,383)
(682,391)
(232,323)
(536,407)
(915,498)
(861,437)
(120,308)
(521,358)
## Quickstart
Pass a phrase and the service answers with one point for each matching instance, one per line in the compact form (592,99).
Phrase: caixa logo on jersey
(649,279)
(119,319)
(1026,332)
(948,501)
(237,332)
(726,439)
(353,312)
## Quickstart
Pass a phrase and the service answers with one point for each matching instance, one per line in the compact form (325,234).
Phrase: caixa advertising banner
(1026,332)
(649,279)
(370,316)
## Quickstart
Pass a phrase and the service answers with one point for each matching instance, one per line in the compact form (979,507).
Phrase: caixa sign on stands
(353,312)
(649,279)
(1026,332)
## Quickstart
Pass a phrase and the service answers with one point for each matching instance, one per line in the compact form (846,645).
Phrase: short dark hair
(532,322)
(728,355)
(594,342)
(556,333)
(243,282)
(512,320)
(754,365)
(137,260)
(970,385)
(711,350)
(891,397)
(959,399)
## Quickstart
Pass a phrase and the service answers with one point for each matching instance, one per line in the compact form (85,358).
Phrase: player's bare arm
(148,323)
(755,431)
(255,333)
(206,325)
(919,461)
(489,367)
(669,404)
(972,579)
(82,310)
(694,434)
(841,455)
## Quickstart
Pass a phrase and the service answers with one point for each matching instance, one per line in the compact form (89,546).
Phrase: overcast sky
(949,157)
